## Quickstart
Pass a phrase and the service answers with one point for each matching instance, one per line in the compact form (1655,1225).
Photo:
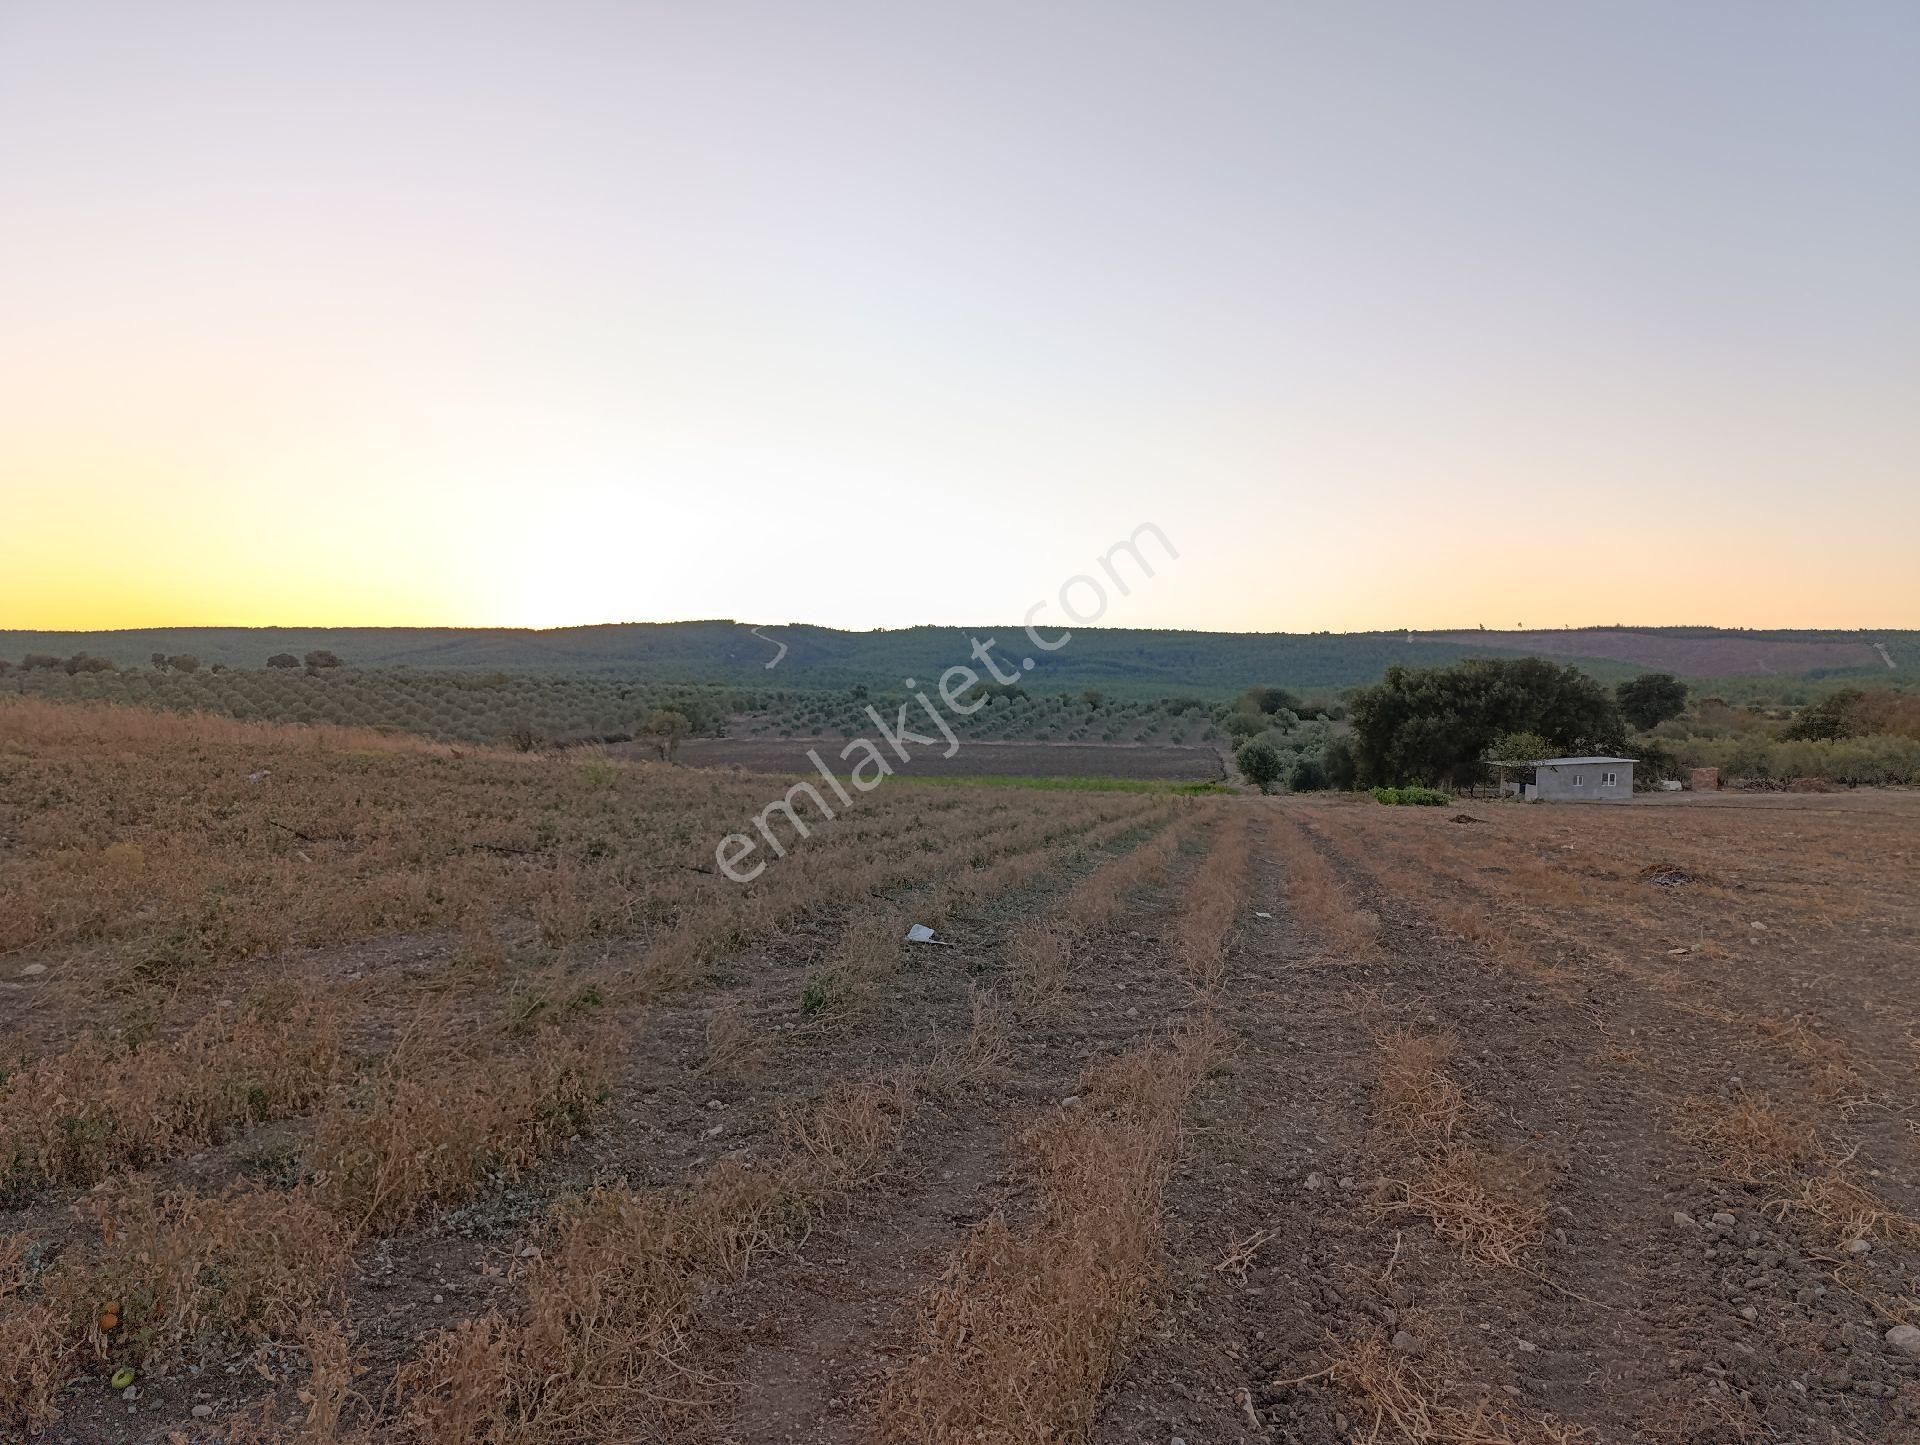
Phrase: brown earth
(1567,1124)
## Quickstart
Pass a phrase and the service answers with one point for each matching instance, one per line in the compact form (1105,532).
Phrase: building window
(1576,780)
(1607,780)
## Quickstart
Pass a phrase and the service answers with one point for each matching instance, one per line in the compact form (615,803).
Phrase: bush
(666,727)
(1309,775)
(1877,761)
(283,659)
(1260,763)
(320,658)
(1412,797)
(1243,725)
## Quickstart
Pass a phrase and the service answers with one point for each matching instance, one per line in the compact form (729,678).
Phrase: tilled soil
(1666,1298)
(1667,1301)
(1600,1023)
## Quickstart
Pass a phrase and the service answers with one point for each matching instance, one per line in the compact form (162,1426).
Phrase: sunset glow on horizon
(874,315)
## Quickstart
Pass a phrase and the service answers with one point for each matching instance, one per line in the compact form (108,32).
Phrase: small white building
(1568,780)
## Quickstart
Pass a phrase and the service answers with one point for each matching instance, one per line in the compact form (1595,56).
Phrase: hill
(1138,662)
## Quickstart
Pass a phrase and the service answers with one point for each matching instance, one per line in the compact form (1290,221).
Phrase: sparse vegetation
(310,1025)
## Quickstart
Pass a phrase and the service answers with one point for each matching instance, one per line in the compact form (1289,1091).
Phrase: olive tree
(1260,764)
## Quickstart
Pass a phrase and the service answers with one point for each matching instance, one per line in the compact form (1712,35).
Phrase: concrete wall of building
(1585,783)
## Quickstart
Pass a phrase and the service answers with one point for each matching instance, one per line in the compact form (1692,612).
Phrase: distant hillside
(1130,661)
(1704,652)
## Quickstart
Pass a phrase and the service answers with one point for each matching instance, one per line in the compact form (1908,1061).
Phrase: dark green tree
(1343,769)
(1269,700)
(1651,698)
(1434,725)
(1309,774)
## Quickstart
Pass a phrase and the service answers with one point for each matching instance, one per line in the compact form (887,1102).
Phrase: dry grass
(1211,905)
(184,1275)
(169,847)
(869,952)
(1108,891)
(1493,1205)
(1832,1075)
(37,1344)
(976,1060)
(1318,897)
(1402,1403)
(428,1128)
(99,1106)
(1040,954)
(252,1263)
(1752,1138)
(1844,1209)
(600,1347)
(1026,1326)
(154,862)
(733,1049)
(852,867)
(1416,1094)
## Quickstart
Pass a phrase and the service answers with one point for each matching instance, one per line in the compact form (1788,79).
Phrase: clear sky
(395,311)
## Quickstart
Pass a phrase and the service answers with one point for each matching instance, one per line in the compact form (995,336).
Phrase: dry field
(366,1090)
(1152,761)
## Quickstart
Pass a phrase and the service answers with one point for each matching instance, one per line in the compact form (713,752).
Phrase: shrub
(1412,797)
(1260,763)
(320,658)
(1309,775)
(283,659)
(1243,725)
(666,727)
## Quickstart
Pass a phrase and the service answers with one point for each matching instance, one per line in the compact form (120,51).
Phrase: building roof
(1552,762)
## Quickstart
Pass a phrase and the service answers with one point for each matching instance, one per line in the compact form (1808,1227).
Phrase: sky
(1387,315)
